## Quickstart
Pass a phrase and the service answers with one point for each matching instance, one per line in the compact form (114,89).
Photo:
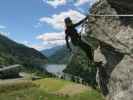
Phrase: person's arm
(67,43)
(80,22)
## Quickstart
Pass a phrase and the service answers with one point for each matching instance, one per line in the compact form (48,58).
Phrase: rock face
(115,50)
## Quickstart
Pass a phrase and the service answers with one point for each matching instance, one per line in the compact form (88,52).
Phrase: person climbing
(72,33)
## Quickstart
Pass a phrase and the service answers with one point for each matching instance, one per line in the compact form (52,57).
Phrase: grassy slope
(43,92)
(52,84)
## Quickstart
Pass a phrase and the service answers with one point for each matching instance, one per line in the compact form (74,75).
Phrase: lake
(56,69)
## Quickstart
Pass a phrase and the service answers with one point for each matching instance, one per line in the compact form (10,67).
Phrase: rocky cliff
(114,47)
(111,37)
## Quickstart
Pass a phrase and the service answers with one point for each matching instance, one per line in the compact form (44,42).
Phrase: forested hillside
(15,53)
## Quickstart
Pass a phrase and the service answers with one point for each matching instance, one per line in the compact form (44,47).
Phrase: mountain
(60,56)
(51,51)
(15,53)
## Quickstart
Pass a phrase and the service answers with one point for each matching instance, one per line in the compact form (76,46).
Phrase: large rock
(115,36)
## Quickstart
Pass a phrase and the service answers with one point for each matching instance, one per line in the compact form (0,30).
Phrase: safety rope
(113,15)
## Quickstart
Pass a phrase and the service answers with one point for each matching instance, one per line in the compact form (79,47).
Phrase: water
(56,69)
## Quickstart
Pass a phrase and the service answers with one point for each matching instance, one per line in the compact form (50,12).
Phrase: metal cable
(109,15)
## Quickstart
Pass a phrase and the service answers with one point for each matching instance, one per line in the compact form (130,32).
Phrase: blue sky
(37,23)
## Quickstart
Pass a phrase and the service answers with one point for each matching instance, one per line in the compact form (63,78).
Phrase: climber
(72,33)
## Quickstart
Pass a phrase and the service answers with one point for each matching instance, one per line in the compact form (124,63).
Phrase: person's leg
(88,50)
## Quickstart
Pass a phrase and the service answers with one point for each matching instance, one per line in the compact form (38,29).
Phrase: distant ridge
(12,53)
(61,56)
(49,52)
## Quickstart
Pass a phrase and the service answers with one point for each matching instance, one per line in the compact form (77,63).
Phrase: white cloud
(25,42)
(49,40)
(35,46)
(55,3)
(5,33)
(52,38)
(81,2)
(57,20)
(2,27)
